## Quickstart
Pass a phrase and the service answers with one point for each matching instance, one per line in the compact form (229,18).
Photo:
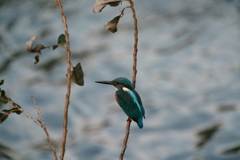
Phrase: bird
(128,99)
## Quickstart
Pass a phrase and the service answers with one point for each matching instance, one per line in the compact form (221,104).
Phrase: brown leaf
(37,49)
(37,59)
(100,4)
(28,44)
(112,25)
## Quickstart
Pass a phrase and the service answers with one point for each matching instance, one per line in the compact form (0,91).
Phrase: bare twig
(39,122)
(40,117)
(42,124)
(67,101)
(30,117)
(133,76)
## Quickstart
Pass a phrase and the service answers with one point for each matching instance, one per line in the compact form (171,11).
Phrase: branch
(124,147)
(67,101)
(42,124)
(39,122)
(135,44)
(133,76)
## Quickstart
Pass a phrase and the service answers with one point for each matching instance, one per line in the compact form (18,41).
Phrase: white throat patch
(126,89)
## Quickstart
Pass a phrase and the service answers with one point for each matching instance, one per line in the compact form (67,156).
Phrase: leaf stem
(56,45)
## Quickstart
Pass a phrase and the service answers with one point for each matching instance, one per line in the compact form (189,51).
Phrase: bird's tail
(140,123)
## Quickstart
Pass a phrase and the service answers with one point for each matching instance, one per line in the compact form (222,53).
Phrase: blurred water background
(188,78)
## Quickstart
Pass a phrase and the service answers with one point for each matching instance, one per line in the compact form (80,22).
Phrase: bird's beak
(104,82)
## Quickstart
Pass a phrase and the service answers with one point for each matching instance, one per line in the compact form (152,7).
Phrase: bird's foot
(129,119)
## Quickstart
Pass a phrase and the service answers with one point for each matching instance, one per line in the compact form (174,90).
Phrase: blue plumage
(128,99)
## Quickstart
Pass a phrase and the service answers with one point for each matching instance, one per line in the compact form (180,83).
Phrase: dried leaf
(37,59)
(112,25)
(77,75)
(37,49)
(100,4)
(28,44)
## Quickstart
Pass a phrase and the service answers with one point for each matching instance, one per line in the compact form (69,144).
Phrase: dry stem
(67,101)
(39,122)
(133,76)
(42,124)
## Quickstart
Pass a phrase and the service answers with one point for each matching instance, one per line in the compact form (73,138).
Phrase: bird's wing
(140,103)
(127,103)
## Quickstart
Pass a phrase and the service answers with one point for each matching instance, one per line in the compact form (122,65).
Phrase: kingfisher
(128,99)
